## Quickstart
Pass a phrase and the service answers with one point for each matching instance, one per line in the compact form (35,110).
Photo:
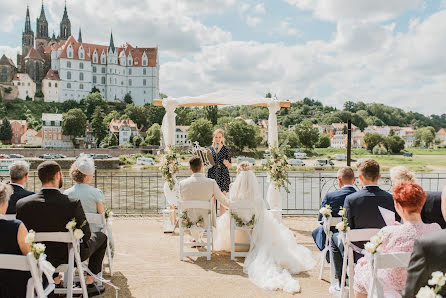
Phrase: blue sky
(388,51)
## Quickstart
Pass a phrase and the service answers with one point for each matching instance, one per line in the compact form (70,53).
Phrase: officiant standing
(222,159)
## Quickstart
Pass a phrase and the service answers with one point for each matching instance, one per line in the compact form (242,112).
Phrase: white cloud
(286,28)
(260,8)
(244,7)
(252,21)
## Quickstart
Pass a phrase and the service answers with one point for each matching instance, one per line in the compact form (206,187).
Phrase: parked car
(145,161)
(60,156)
(16,155)
(323,163)
(241,159)
(100,156)
(47,156)
(300,155)
(113,147)
(2,156)
(340,156)
(296,162)
(408,154)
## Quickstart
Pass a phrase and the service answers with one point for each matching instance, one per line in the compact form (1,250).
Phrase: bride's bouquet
(169,166)
(277,167)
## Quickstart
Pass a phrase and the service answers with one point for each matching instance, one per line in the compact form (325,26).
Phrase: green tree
(74,123)
(110,116)
(324,141)
(359,121)
(345,129)
(97,124)
(31,121)
(95,90)
(128,98)
(378,150)
(201,131)
(137,140)
(153,135)
(394,144)
(350,106)
(138,114)
(211,113)
(91,101)
(5,131)
(289,138)
(372,139)
(241,135)
(155,114)
(425,135)
(307,134)
(162,95)
(268,95)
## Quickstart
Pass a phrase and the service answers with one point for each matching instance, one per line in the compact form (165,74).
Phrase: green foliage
(95,90)
(8,90)
(394,144)
(324,141)
(138,114)
(126,160)
(268,95)
(128,98)
(425,136)
(74,123)
(137,140)
(110,116)
(153,135)
(306,134)
(240,135)
(372,139)
(126,145)
(378,150)
(201,131)
(32,122)
(38,94)
(288,138)
(91,101)
(211,113)
(97,124)
(110,140)
(155,114)
(5,131)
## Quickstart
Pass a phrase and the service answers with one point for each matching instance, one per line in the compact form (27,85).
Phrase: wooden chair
(234,206)
(354,235)
(67,269)
(99,219)
(328,224)
(385,261)
(182,206)
(27,263)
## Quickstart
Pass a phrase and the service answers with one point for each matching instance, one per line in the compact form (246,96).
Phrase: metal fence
(142,192)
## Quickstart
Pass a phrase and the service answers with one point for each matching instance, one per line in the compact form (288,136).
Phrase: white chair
(328,224)
(99,219)
(183,205)
(354,235)
(241,205)
(386,261)
(67,269)
(27,263)
(10,216)
(168,216)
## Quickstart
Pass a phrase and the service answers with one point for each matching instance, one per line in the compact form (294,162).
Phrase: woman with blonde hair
(400,174)
(222,159)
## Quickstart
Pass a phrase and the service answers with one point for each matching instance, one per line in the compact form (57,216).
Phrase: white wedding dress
(274,254)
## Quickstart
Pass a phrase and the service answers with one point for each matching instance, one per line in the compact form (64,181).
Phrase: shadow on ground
(119,280)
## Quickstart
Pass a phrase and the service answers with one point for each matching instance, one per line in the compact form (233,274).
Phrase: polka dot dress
(220,172)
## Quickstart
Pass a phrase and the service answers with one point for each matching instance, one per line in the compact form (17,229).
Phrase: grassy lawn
(417,151)
(417,164)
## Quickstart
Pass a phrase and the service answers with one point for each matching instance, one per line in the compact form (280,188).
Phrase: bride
(274,254)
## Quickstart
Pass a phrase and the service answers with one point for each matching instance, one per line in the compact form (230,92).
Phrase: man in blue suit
(362,208)
(18,171)
(335,199)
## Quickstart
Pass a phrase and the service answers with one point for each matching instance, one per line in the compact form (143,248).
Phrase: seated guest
(92,199)
(50,211)
(13,232)
(18,171)
(401,174)
(346,179)
(362,209)
(428,256)
(409,199)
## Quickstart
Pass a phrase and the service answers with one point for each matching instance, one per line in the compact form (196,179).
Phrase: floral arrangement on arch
(169,165)
(277,167)
(240,223)
(437,281)
(187,222)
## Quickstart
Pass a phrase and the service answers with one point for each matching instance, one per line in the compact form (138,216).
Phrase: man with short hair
(428,256)
(346,179)
(18,172)
(50,211)
(362,209)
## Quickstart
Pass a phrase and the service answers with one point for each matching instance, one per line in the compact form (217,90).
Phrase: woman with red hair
(409,199)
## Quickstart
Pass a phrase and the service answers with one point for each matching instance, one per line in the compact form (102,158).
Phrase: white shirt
(50,188)
(11,183)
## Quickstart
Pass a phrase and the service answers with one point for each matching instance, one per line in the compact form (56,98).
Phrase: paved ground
(147,265)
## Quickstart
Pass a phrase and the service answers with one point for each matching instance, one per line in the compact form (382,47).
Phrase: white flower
(39,248)
(370,247)
(78,234)
(111,213)
(340,226)
(426,292)
(71,225)
(341,212)
(438,278)
(376,240)
(325,211)
(30,237)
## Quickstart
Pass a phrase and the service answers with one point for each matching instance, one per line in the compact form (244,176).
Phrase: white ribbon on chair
(101,279)
(46,268)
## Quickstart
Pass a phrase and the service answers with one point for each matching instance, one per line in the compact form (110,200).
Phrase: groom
(199,188)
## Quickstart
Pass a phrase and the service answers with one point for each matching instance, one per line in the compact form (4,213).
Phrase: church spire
(112,45)
(65,13)
(42,13)
(28,21)
(79,39)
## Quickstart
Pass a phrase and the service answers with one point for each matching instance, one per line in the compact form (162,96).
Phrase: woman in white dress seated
(274,254)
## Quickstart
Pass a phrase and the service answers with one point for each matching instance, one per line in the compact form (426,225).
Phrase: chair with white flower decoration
(99,219)
(385,261)
(352,235)
(27,263)
(202,205)
(10,216)
(328,224)
(67,269)
(234,209)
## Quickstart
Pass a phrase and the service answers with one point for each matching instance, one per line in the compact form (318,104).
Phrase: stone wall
(35,152)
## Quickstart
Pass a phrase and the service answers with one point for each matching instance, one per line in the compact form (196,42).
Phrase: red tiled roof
(115,125)
(441,131)
(52,75)
(33,54)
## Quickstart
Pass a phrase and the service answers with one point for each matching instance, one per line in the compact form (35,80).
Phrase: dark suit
(428,256)
(431,211)
(336,200)
(362,212)
(50,211)
(19,192)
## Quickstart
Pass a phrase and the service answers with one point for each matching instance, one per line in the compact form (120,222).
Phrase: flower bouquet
(36,248)
(77,232)
(326,211)
(277,167)
(438,280)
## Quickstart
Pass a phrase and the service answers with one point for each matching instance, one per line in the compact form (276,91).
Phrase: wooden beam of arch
(159,103)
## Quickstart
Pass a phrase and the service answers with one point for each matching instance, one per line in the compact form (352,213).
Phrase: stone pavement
(147,265)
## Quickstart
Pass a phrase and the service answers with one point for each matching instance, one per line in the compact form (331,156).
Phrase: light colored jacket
(200,188)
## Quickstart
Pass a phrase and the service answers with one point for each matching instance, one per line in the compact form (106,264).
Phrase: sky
(386,51)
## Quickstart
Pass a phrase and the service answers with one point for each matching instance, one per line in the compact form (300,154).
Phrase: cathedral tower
(65,25)
(27,35)
(42,37)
